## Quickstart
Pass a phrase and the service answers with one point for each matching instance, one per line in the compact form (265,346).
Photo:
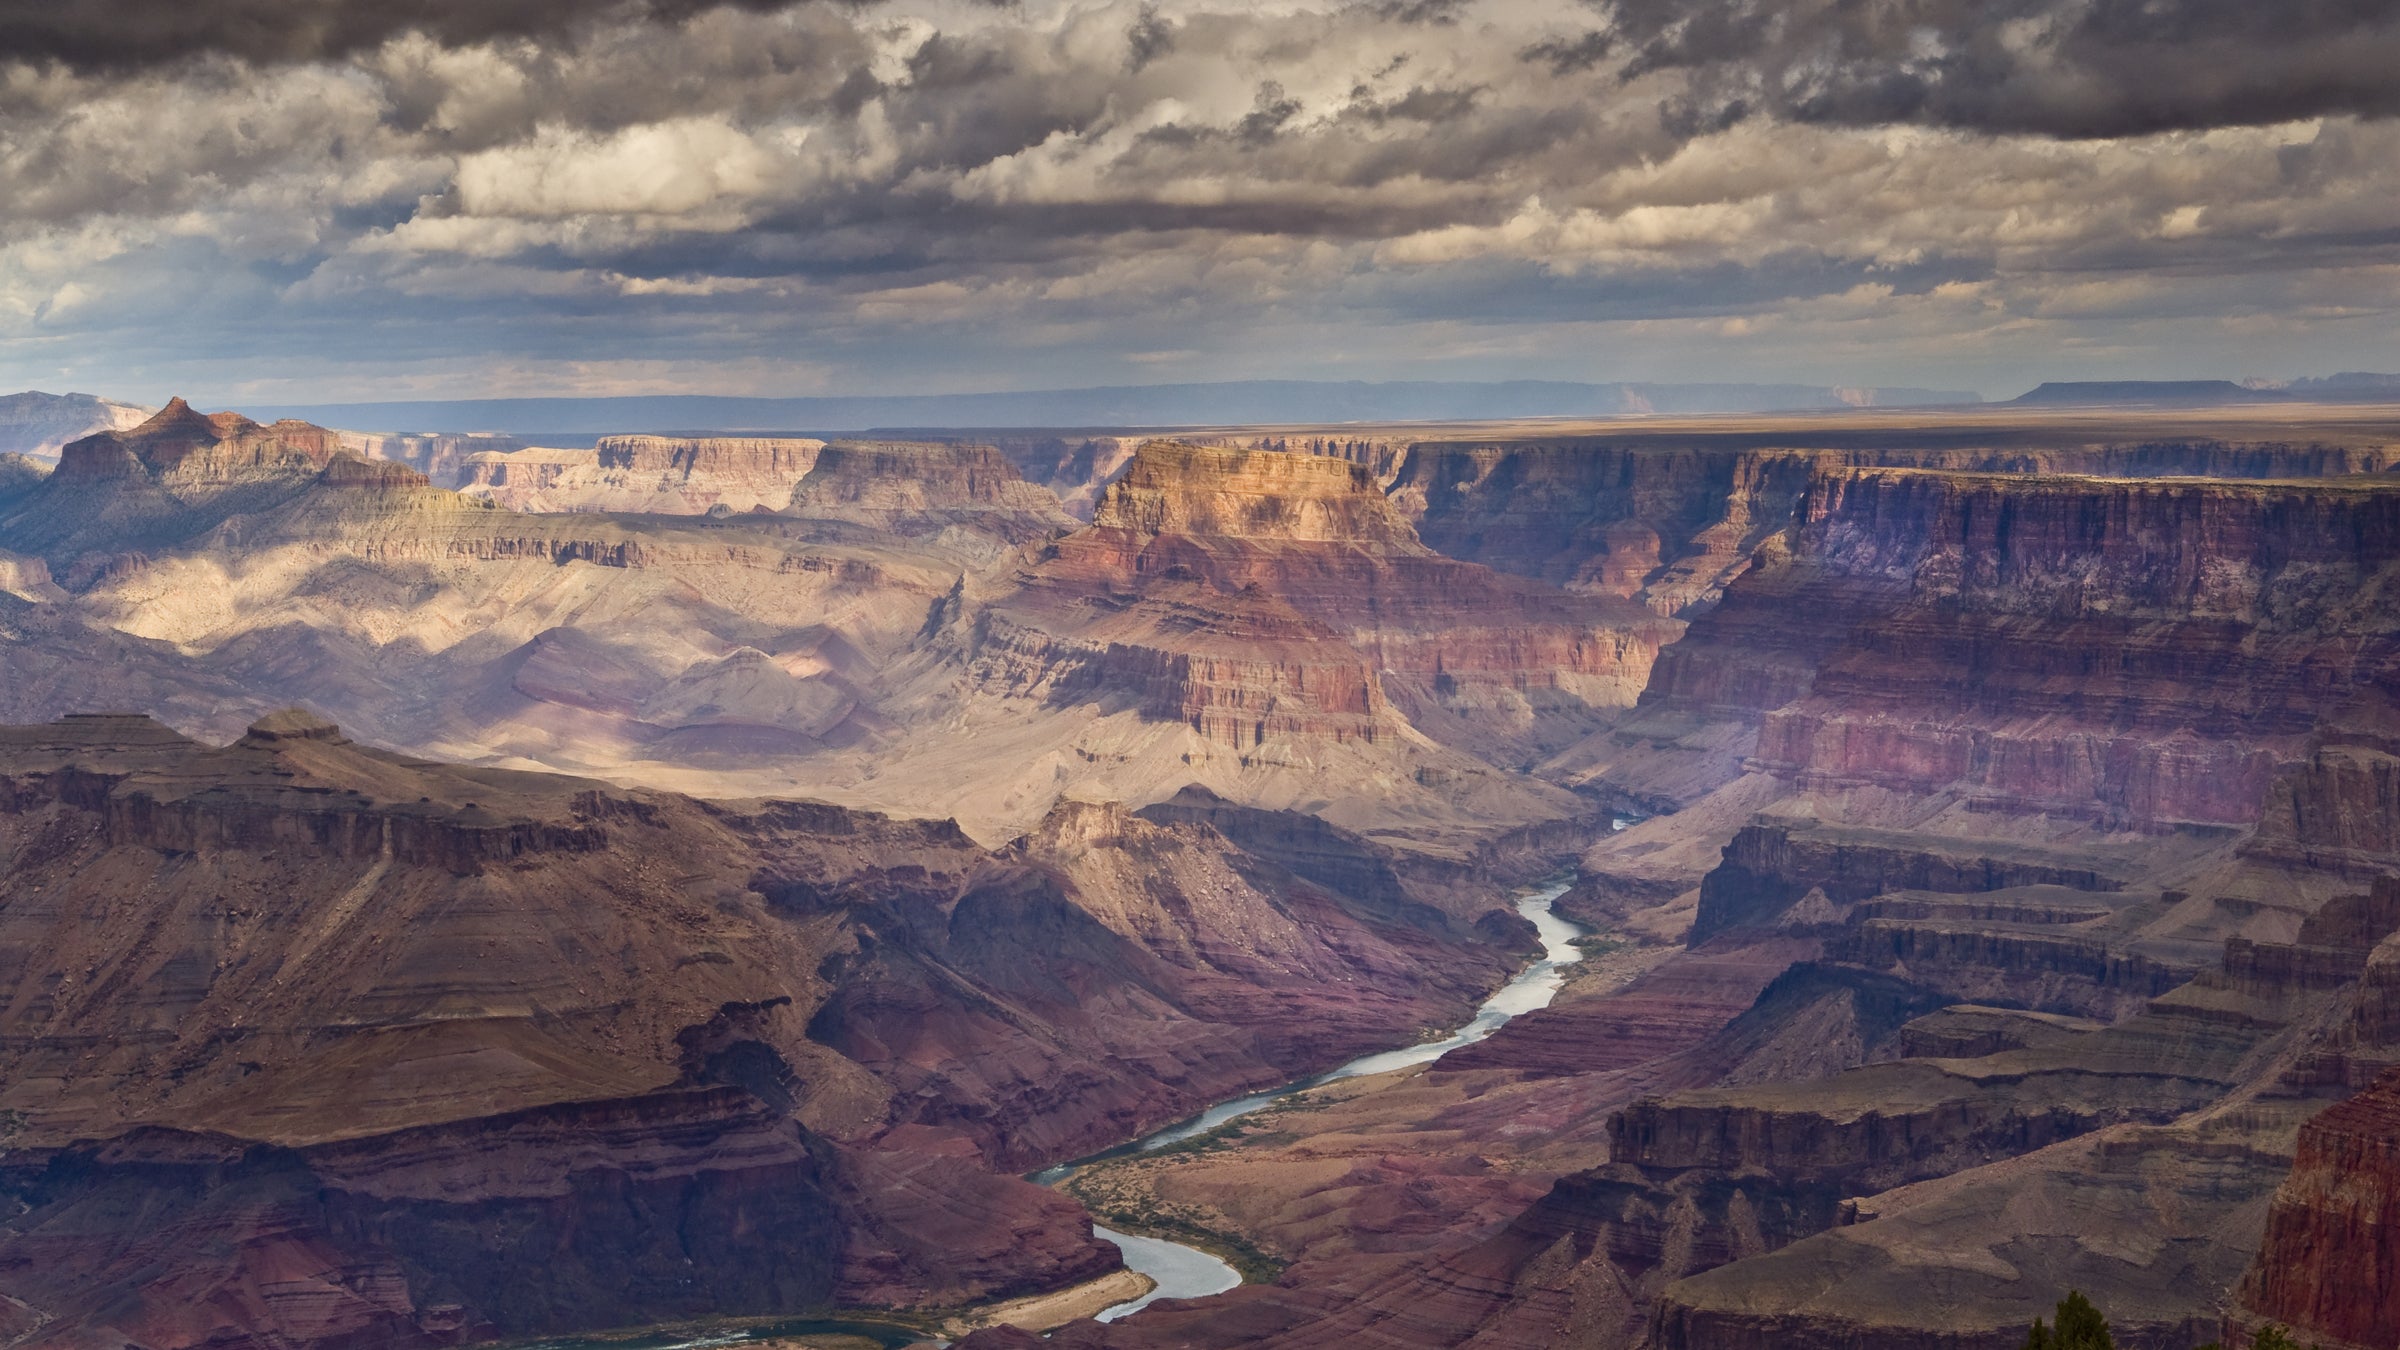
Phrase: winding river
(1182,1271)
(1187,1272)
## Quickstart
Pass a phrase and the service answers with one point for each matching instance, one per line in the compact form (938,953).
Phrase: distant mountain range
(1245,402)
(2348,387)
(37,424)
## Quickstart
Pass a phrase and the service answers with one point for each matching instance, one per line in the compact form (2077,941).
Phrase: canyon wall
(2058,803)
(1303,551)
(2134,653)
(2332,1240)
(1670,517)
(442,458)
(645,474)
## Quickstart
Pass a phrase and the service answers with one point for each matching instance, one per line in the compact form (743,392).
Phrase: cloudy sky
(305,200)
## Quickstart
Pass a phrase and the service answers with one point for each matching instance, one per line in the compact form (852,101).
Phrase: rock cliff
(1671,516)
(2325,1265)
(2138,653)
(927,488)
(645,474)
(2065,811)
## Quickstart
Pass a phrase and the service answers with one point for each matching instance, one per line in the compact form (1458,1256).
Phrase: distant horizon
(1167,406)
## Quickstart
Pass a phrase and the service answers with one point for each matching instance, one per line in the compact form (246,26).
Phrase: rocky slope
(2026,827)
(842,639)
(2134,653)
(1076,467)
(317,1045)
(1671,524)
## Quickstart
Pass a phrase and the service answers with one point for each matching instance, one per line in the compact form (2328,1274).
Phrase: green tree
(2080,1327)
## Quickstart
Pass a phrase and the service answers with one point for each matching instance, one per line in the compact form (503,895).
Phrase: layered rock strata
(1670,517)
(443,459)
(431,619)
(2139,654)
(2325,1264)
(1263,594)
(659,475)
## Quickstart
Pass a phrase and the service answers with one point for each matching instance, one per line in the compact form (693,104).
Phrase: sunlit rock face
(645,474)
(1258,552)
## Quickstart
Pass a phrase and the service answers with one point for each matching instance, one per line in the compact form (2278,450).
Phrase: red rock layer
(1273,975)
(2133,653)
(192,448)
(1239,670)
(672,1204)
(1302,554)
(2329,1267)
(1671,517)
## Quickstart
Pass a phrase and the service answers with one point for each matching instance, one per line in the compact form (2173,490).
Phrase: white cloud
(683,166)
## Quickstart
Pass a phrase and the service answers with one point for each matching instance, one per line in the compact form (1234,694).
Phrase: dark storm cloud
(1565,56)
(2068,68)
(130,34)
(540,185)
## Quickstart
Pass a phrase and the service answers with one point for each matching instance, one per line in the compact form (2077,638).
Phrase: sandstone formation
(916,489)
(432,620)
(1076,467)
(644,474)
(1265,627)
(2325,1263)
(1669,513)
(1672,519)
(965,499)
(1336,621)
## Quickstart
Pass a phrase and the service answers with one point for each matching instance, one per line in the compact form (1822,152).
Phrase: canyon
(379,1048)
(1984,822)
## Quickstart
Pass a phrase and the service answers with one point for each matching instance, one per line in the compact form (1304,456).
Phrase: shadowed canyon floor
(777,847)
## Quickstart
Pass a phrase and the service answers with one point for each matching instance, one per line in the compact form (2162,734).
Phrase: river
(1188,1272)
(1179,1270)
